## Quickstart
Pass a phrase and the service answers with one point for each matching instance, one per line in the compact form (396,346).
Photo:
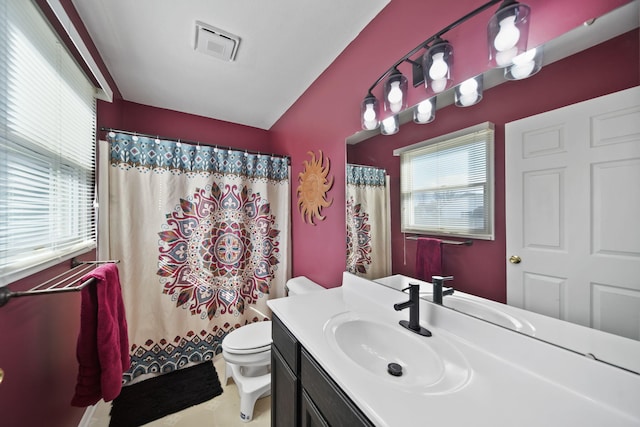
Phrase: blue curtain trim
(365,175)
(163,357)
(143,153)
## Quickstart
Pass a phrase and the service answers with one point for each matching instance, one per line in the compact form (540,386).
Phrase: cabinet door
(336,408)
(311,416)
(284,392)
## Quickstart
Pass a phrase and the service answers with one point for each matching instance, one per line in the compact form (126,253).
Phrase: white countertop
(515,380)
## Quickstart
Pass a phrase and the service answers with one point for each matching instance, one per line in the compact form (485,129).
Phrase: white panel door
(573,213)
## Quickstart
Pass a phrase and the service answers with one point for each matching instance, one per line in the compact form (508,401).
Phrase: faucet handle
(411,286)
(441,278)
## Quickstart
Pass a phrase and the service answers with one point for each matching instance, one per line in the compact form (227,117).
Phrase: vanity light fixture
(425,111)
(469,92)
(507,31)
(524,65)
(395,92)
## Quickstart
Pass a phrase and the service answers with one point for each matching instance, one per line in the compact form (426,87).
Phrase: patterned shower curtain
(368,222)
(203,238)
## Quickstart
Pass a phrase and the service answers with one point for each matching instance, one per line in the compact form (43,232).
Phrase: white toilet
(247,354)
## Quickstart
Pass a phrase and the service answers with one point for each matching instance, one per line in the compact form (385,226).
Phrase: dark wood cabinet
(311,416)
(285,385)
(284,392)
(302,393)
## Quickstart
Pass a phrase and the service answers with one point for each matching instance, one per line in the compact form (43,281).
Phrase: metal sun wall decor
(312,191)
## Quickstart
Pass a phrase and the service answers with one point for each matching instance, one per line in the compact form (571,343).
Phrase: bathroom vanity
(332,352)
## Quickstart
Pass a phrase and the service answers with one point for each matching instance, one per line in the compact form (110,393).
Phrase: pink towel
(428,258)
(103,345)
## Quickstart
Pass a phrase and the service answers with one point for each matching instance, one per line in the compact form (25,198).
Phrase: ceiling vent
(215,42)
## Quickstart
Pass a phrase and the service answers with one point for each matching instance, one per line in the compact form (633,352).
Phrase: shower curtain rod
(222,147)
(366,166)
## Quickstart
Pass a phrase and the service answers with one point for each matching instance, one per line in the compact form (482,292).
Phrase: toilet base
(253,382)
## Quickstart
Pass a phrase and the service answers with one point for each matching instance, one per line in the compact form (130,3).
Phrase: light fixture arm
(439,34)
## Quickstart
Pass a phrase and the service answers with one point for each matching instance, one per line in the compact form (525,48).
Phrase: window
(447,184)
(47,147)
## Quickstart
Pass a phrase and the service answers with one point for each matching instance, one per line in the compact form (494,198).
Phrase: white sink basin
(428,364)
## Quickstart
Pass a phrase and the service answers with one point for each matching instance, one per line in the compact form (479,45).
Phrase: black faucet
(438,293)
(414,311)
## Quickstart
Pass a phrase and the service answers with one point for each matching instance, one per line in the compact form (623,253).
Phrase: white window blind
(47,146)
(447,184)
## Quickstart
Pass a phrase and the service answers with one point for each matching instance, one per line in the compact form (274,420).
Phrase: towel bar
(69,281)
(468,242)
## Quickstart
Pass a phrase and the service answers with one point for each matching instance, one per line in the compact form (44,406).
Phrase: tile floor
(221,411)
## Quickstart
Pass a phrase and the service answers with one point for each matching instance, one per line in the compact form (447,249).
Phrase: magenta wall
(480,269)
(38,356)
(327,113)
(39,333)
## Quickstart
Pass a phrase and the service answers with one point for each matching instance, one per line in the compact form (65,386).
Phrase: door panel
(544,219)
(544,294)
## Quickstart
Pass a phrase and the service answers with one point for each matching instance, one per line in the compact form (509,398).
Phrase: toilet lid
(252,336)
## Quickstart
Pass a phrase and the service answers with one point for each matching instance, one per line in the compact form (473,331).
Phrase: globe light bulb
(523,70)
(439,85)
(395,94)
(505,58)
(523,64)
(425,107)
(422,118)
(508,35)
(467,93)
(468,99)
(469,86)
(369,113)
(395,97)
(389,125)
(423,112)
(370,125)
(439,67)
(369,119)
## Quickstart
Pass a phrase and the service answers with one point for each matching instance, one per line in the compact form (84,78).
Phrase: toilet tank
(302,285)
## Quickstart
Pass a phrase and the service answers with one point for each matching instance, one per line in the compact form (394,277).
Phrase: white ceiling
(148,47)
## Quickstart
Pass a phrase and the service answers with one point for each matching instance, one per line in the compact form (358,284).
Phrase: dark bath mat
(157,397)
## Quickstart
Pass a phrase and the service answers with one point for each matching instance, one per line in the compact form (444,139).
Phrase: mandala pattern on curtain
(203,235)
(368,222)
(219,251)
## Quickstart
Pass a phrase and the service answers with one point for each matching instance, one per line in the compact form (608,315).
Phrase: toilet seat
(247,350)
(249,339)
